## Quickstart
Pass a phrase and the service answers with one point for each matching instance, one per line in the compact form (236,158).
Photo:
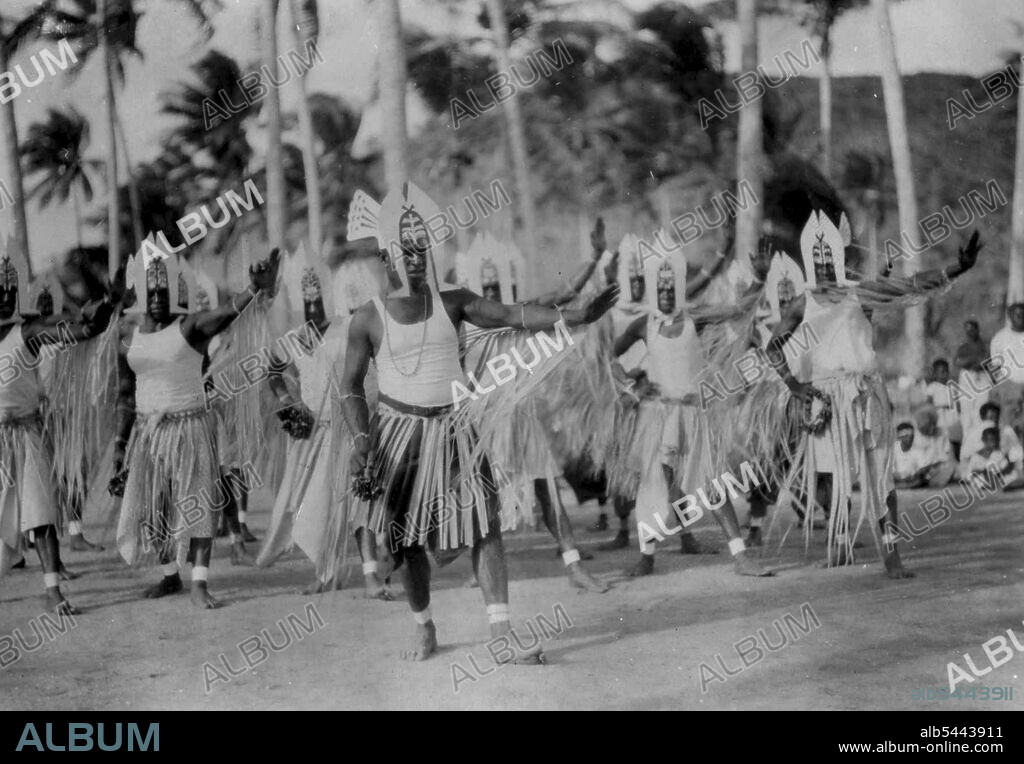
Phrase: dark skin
(37,332)
(197,329)
(794,315)
(366,332)
(637,331)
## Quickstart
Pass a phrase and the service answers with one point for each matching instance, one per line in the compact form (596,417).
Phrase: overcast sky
(954,36)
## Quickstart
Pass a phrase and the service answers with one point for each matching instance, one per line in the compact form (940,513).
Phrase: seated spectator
(933,448)
(938,394)
(1009,443)
(989,467)
(908,471)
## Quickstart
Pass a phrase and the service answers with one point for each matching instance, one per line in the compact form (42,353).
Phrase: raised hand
(969,254)
(597,239)
(762,261)
(601,304)
(611,271)
(263,275)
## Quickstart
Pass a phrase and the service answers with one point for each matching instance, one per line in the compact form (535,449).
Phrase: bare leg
(48,549)
(243,506)
(375,588)
(200,552)
(745,565)
(491,571)
(758,512)
(78,542)
(416,577)
(623,507)
(559,527)
(893,566)
(239,554)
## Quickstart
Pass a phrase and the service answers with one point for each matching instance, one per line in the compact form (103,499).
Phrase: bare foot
(375,590)
(241,556)
(643,567)
(247,534)
(580,578)
(80,544)
(67,575)
(56,602)
(201,596)
(167,585)
(424,644)
(621,541)
(745,565)
(531,656)
(688,544)
(472,583)
(894,567)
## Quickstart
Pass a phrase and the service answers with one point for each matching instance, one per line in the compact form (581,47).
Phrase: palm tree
(1016,285)
(899,145)
(306,26)
(749,150)
(109,27)
(515,126)
(391,74)
(14,34)
(55,151)
(276,214)
(823,15)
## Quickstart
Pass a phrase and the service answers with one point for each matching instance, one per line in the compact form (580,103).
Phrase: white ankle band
(573,555)
(200,573)
(235,538)
(423,617)
(647,548)
(52,580)
(736,546)
(75,528)
(170,569)
(755,522)
(242,514)
(369,567)
(889,539)
(498,613)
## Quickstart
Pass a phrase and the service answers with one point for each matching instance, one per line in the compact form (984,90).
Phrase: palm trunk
(113,200)
(133,186)
(309,167)
(1016,285)
(17,189)
(825,116)
(912,353)
(516,129)
(392,76)
(276,201)
(749,159)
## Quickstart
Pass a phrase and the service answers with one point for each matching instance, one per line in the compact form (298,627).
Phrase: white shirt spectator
(932,449)
(1007,338)
(906,463)
(1008,443)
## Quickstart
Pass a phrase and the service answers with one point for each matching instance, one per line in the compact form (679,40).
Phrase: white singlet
(20,387)
(844,338)
(674,363)
(438,358)
(168,371)
(318,371)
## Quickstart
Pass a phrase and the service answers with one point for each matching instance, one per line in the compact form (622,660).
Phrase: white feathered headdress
(304,279)
(152,265)
(822,241)
(784,273)
(409,204)
(671,265)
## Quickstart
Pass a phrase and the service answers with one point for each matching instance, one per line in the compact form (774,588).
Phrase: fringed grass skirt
(856,447)
(27,498)
(172,471)
(424,457)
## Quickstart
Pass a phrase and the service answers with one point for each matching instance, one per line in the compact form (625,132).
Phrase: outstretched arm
(95,317)
(200,328)
(495,315)
(934,278)
(635,332)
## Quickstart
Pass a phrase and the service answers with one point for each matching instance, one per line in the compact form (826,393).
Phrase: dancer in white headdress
(418,446)
(848,421)
(314,504)
(165,455)
(674,450)
(520,441)
(28,501)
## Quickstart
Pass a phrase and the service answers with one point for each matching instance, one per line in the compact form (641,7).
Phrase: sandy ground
(639,646)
